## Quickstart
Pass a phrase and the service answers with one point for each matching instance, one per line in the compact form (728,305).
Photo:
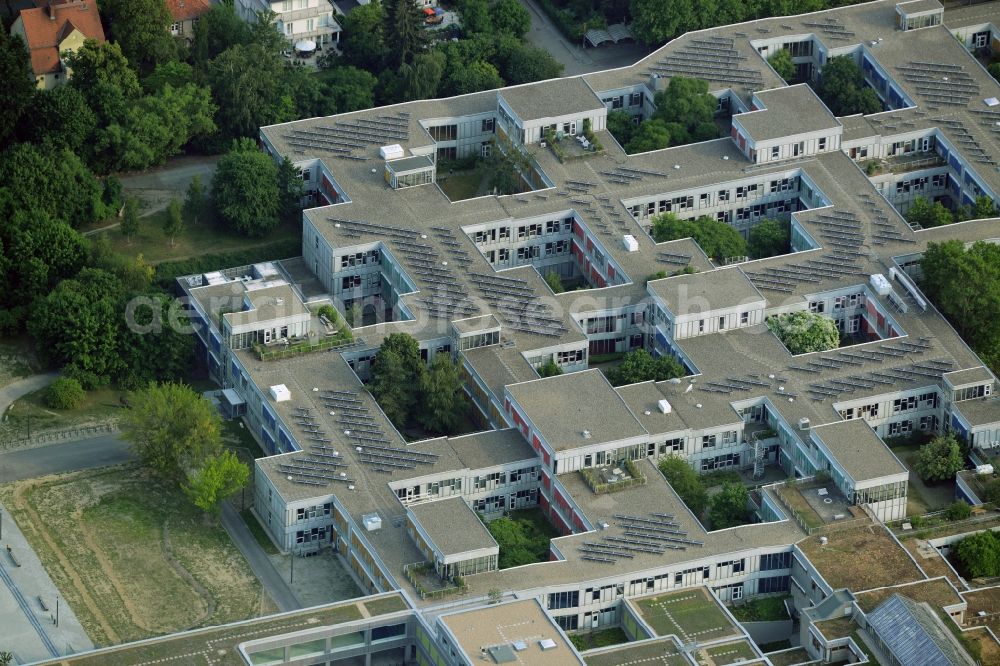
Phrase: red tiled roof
(183,10)
(43,34)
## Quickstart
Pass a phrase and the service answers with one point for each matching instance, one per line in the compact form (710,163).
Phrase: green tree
(685,482)
(939,459)
(77,326)
(471,77)
(422,79)
(218,29)
(61,118)
(141,28)
(640,366)
(770,238)
(957,510)
(349,88)
(475,16)
(218,477)
(928,214)
(728,507)
(17,91)
(290,191)
(549,369)
(102,73)
(245,189)
(519,62)
(511,17)
(656,21)
(175,74)
(842,88)
(965,285)
(49,180)
(363,40)
(247,84)
(174,222)
(555,282)
(441,396)
(805,332)
(687,109)
(65,393)
(994,69)
(173,430)
(519,542)
(397,375)
(991,491)
(194,200)
(154,343)
(717,239)
(621,127)
(979,554)
(404,27)
(781,62)
(651,134)
(129,226)
(983,208)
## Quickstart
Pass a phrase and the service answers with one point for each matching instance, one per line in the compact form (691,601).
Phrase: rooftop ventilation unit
(371,521)
(547,644)
(586,434)
(280,393)
(391,152)
(630,243)
(803,424)
(664,406)
(880,284)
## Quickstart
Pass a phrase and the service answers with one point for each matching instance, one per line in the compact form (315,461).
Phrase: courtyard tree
(805,332)
(194,201)
(555,282)
(688,109)
(245,189)
(770,238)
(621,127)
(685,482)
(397,374)
(728,507)
(927,214)
(441,395)
(842,88)
(640,366)
(549,369)
(651,134)
(218,477)
(781,62)
(717,239)
(18,87)
(173,430)
(940,459)
(290,191)
(979,554)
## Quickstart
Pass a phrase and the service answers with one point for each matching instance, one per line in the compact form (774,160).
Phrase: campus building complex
(384,244)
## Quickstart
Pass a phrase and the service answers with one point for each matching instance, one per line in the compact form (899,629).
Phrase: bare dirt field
(131,556)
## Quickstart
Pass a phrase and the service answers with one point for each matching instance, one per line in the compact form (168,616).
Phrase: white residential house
(297,20)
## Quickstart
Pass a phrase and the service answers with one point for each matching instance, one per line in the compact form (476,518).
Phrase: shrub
(805,332)
(65,393)
(330,313)
(549,369)
(958,510)
(685,482)
(979,554)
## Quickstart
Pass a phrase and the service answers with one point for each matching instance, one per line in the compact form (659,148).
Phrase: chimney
(52,11)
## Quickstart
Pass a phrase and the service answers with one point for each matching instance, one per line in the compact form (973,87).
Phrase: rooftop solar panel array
(709,59)
(515,301)
(655,533)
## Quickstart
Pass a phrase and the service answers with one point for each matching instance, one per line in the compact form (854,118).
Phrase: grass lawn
(31,412)
(596,639)
(762,609)
(727,653)
(207,237)
(131,556)
(235,435)
(385,605)
(690,614)
(17,359)
(257,530)
(800,506)
(922,498)
(465,184)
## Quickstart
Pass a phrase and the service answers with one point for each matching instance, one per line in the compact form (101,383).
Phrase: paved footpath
(22,387)
(100,451)
(273,582)
(25,628)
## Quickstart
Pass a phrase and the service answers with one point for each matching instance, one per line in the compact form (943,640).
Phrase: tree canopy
(441,395)
(519,540)
(685,482)
(717,239)
(979,554)
(939,459)
(769,238)
(18,83)
(842,88)
(172,430)
(964,284)
(219,476)
(684,114)
(245,190)
(397,372)
(928,214)
(805,332)
(781,62)
(729,506)
(142,29)
(640,366)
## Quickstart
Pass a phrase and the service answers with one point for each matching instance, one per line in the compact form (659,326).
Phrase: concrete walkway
(22,387)
(28,630)
(274,584)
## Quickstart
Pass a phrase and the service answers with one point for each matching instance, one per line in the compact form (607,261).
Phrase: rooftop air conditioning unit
(630,243)
(391,152)
(880,284)
(803,424)
(280,393)
(664,406)
(371,521)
